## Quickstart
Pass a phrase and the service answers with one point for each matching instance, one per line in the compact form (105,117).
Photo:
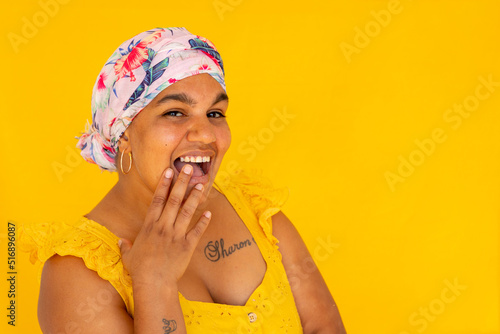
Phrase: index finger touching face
(160,196)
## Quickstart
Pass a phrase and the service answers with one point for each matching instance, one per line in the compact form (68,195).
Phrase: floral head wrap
(131,78)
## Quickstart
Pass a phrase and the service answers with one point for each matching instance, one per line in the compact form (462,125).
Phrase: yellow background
(394,249)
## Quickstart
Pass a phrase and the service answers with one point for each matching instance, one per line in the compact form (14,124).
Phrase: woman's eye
(173,113)
(215,114)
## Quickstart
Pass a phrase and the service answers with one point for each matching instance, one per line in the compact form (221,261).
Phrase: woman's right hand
(163,248)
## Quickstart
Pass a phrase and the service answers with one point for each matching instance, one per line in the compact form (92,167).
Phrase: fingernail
(120,243)
(188,169)
(208,214)
(169,173)
(199,186)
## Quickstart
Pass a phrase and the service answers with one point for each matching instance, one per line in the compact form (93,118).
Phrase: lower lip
(204,179)
(200,179)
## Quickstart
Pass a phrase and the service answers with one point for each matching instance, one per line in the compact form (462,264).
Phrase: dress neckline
(244,217)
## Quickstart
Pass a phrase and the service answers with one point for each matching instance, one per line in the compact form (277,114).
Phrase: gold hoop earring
(121,163)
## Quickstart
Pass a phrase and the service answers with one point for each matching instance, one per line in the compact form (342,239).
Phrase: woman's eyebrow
(182,97)
(221,97)
(177,97)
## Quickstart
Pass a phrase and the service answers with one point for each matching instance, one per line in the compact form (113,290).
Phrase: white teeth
(195,159)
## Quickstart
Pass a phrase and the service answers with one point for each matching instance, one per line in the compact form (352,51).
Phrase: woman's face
(186,121)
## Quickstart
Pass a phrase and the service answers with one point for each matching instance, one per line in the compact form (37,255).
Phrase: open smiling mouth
(201,164)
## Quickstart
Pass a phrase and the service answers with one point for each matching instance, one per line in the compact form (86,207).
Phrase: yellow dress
(271,307)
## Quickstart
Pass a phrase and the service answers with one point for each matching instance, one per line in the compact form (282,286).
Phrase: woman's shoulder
(82,245)
(70,293)
(258,194)
(83,238)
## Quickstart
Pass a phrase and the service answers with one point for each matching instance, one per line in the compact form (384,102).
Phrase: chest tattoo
(216,250)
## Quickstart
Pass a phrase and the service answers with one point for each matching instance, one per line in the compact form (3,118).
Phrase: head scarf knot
(133,76)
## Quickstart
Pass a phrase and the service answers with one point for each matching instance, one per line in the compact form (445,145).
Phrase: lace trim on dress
(91,242)
(263,199)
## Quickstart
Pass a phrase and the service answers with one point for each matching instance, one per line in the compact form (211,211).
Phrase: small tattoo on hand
(169,326)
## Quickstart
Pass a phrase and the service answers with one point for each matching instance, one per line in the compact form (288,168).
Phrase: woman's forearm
(158,310)
(161,252)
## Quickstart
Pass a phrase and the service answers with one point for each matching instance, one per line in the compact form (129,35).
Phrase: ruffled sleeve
(263,199)
(91,242)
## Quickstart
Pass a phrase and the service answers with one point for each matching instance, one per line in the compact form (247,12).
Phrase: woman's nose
(201,130)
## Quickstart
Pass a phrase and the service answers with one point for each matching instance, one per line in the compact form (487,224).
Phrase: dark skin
(169,220)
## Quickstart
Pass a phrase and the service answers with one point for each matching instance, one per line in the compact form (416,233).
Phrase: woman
(170,248)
